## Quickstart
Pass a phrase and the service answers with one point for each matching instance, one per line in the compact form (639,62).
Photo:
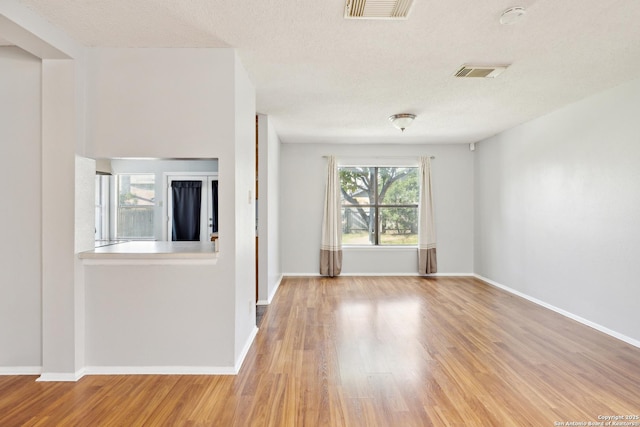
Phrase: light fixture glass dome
(512,15)
(402,121)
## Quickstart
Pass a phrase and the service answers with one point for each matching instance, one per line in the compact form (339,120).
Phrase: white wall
(157,316)
(85,200)
(244,143)
(59,286)
(20,255)
(188,103)
(61,138)
(84,240)
(558,209)
(162,103)
(302,182)
(269,268)
(274,266)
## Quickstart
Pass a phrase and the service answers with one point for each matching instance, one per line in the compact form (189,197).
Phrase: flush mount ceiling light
(512,15)
(402,121)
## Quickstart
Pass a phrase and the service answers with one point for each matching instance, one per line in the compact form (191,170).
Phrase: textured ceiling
(322,78)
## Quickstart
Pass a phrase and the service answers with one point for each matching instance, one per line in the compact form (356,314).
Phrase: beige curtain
(331,245)
(427,261)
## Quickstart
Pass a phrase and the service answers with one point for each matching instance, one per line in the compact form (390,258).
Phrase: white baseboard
(61,376)
(149,370)
(245,350)
(271,294)
(565,313)
(274,290)
(159,370)
(379,274)
(20,370)
(175,370)
(301,275)
(416,274)
(448,275)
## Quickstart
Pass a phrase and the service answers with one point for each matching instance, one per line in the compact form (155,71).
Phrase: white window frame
(376,206)
(103,207)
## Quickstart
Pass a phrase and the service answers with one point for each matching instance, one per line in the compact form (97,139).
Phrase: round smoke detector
(512,15)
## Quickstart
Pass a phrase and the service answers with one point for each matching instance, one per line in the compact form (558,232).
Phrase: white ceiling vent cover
(481,71)
(377,9)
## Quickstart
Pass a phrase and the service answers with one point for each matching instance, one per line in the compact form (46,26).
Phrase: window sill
(379,248)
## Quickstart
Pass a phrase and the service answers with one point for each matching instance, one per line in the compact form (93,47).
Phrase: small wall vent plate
(488,72)
(377,9)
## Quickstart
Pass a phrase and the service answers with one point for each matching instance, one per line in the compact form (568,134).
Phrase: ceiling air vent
(377,9)
(480,71)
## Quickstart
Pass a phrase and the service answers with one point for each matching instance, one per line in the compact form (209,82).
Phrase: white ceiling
(322,78)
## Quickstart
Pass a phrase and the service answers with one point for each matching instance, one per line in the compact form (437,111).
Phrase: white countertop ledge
(158,251)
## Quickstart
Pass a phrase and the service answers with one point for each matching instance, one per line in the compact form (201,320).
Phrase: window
(379,205)
(102,207)
(136,202)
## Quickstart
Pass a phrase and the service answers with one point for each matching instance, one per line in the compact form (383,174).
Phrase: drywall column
(262,212)
(62,134)
(245,210)
(20,275)
(58,220)
(269,269)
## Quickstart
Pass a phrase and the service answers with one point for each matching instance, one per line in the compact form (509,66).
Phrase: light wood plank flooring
(383,351)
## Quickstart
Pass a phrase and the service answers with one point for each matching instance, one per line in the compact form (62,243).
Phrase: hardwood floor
(383,351)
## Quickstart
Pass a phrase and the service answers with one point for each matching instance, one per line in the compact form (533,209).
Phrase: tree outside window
(379,205)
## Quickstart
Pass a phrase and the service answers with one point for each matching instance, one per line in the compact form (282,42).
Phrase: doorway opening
(192,207)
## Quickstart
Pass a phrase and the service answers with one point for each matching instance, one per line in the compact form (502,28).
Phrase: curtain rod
(377,157)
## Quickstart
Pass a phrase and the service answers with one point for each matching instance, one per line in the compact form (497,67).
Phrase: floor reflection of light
(381,337)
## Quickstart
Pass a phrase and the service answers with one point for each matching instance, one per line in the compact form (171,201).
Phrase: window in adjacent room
(379,205)
(102,207)
(135,206)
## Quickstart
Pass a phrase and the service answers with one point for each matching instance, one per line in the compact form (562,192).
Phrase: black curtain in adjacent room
(214,201)
(187,199)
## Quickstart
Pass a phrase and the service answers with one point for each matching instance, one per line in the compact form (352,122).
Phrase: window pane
(102,207)
(136,190)
(356,185)
(357,226)
(398,226)
(392,193)
(398,186)
(136,201)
